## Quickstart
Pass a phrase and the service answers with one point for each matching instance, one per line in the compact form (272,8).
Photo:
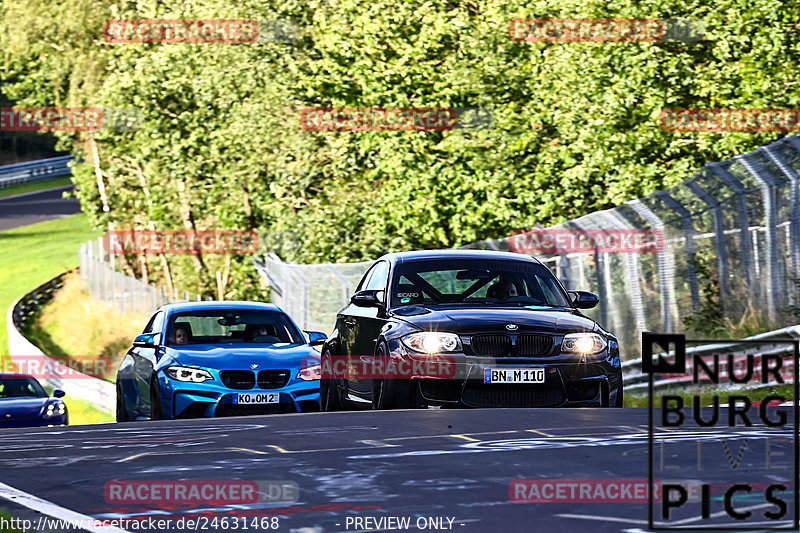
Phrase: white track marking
(59,513)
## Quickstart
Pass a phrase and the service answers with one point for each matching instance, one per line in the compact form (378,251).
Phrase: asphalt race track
(449,464)
(30,208)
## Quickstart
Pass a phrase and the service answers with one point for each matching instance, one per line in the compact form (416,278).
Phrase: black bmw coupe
(467,328)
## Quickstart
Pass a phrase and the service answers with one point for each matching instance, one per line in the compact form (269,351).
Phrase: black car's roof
(422,255)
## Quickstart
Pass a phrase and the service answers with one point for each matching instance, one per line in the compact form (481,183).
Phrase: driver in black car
(506,289)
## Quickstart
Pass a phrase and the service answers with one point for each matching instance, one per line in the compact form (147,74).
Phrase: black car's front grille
(491,345)
(512,396)
(534,344)
(273,379)
(238,379)
(498,345)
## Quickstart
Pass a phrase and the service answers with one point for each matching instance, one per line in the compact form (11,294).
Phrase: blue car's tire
(122,411)
(155,401)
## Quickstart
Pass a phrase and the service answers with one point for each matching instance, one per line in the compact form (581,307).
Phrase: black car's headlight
(583,343)
(186,374)
(55,409)
(433,342)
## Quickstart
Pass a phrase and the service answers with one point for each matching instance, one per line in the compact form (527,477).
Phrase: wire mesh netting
(733,229)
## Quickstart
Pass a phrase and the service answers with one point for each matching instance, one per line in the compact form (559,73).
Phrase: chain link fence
(731,232)
(98,270)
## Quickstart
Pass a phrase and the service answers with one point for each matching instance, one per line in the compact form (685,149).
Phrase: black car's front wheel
(391,393)
(619,400)
(329,399)
(155,401)
(122,411)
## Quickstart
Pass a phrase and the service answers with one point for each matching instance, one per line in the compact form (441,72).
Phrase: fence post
(768,189)
(688,235)
(719,239)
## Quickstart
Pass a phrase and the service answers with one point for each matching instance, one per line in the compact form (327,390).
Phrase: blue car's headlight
(583,343)
(186,374)
(54,410)
(310,373)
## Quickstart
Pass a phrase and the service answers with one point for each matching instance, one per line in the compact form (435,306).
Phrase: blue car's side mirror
(146,340)
(58,393)
(315,338)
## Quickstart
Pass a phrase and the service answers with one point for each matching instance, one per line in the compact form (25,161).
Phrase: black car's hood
(466,320)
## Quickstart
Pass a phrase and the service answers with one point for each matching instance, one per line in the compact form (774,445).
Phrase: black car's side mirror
(145,340)
(584,299)
(369,298)
(58,393)
(316,338)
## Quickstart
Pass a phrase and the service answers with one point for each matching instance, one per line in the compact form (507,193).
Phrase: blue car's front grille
(273,379)
(238,379)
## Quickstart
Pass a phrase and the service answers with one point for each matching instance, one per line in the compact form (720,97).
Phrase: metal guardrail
(32,171)
(101,394)
(757,346)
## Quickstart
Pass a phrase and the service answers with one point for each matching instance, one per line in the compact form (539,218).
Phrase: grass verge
(6,522)
(22,188)
(36,253)
(75,325)
(707,395)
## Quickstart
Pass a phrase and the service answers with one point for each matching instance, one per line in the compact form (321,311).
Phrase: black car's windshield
(476,281)
(226,326)
(21,388)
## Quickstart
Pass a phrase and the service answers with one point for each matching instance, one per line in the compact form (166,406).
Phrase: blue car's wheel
(122,411)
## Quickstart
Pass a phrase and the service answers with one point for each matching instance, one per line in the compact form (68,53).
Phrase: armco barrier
(34,171)
(101,394)
(636,381)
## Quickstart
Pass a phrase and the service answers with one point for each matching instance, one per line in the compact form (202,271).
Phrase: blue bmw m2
(213,359)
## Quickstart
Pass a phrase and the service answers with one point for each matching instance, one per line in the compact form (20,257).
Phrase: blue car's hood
(21,408)
(241,356)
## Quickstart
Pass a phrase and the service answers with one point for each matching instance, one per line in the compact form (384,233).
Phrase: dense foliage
(576,124)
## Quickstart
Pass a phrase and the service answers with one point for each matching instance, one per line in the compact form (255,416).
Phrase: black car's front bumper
(570,380)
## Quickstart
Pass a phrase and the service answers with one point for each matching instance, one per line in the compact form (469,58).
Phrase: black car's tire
(391,393)
(329,399)
(122,411)
(619,400)
(155,401)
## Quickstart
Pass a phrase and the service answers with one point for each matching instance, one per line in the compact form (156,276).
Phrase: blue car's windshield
(224,326)
(18,387)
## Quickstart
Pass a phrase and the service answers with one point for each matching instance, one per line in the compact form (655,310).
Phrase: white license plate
(513,375)
(256,398)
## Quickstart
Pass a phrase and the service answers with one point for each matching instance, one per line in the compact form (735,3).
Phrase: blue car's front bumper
(213,399)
